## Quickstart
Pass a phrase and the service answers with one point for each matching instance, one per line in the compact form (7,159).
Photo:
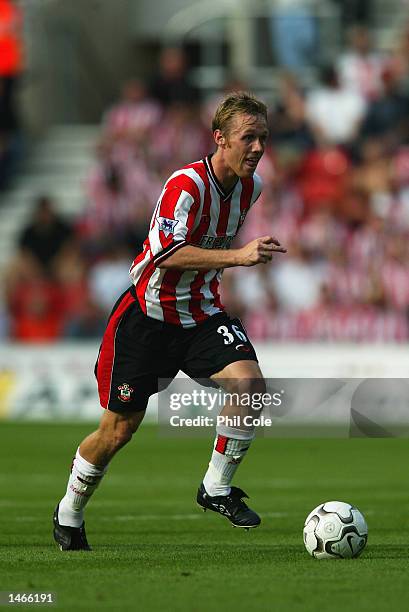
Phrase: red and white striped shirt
(192,209)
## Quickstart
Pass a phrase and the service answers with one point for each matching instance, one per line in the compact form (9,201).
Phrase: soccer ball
(335,530)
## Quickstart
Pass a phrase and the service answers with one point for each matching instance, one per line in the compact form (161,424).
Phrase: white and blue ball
(335,530)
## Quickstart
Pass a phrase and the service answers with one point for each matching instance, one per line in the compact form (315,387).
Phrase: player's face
(245,143)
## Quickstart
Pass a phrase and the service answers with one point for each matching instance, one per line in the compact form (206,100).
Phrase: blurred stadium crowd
(336,194)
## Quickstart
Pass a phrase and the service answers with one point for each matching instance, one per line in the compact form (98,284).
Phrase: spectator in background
(129,123)
(297,281)
(11,65)
(294,34)
(360,67)
(172,83)
(344,284)
(373,175)
(169,145)
(394,270)
(334,113)
(365,241)
(82,317)
(387,117)
(250,293)
(35,299)
(36,308)
(87,323)
(398,210)
(322,233)
(109,277)
(287,123)
(399,60)
(119,200)
(45,236)
(322,179)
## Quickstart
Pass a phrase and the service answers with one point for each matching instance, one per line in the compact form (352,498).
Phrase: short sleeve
(172,222)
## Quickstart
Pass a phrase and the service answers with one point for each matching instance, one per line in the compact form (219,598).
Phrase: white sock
(227,455)
(83,480)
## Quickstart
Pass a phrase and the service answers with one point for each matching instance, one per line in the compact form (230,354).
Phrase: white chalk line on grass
(166,517)
(151,517)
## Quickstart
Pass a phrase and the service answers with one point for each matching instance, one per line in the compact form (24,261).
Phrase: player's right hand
(260,250)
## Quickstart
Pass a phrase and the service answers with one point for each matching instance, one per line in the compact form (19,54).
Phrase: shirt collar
(209,167)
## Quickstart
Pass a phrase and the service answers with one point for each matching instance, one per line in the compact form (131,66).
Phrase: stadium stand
(336,194)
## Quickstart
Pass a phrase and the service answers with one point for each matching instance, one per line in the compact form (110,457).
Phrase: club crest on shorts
(125,392)
(167,225)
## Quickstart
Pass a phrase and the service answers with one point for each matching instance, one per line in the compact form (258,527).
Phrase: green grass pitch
(155,550)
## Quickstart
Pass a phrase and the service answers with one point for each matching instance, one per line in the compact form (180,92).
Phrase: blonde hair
(239,102)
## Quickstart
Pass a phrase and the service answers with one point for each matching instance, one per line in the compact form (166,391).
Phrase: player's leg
(87,470)
(124,372)
(236,432)
(114,431)
(91,460)
(233,439)
(219,349)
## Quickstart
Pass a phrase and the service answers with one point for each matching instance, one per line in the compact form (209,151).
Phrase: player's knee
(122,434)
(118,431)
(248,386)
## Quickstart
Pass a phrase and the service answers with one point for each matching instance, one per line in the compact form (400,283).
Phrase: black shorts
(136,351)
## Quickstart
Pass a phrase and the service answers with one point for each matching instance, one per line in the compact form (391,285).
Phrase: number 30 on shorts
(228,336)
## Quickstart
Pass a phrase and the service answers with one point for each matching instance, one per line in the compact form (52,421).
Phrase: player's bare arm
(260,250)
